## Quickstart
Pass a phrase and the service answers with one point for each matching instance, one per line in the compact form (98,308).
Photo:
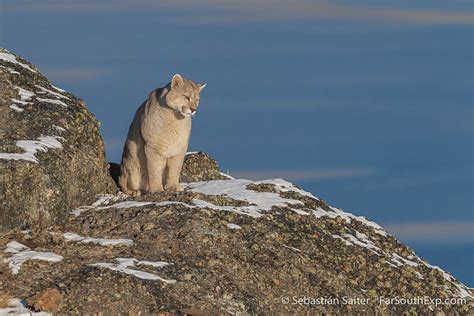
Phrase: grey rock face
(51,153)
(225,246)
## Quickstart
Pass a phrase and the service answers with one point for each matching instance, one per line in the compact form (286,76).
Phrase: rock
(197,166)
(48,300)
(51,152)
(189,261)
(194,311)
(179,253)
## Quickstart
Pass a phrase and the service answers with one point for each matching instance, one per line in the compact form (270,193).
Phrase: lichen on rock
(51,152)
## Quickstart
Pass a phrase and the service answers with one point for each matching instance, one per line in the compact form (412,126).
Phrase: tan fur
(158,139)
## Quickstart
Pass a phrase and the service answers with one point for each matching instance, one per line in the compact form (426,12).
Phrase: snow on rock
(226,175)
(7,56)
(22,253)
(129,204)
(99,241)
(10,70)
(58,89)
(348,217)
(52,101)
(31,147)
(234,226)
(25,95)
(237,190)
(285,186)
(400,261)
(264,201)
(59,128)
(16,101)
(104,200)
(78,211)
(123,265)
(292,248)
(363,242)
(16,108)
(125,204)
(15,247)
(461,289)
(47,91)
(18,307)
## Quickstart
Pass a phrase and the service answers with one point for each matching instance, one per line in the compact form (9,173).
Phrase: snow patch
(59,128)
(237,190)
(99,241)
(77,211)
(348,217)
(126,204)
(285,186)
(16,101)
(58,89)
(234,226)
(359,239)
(123,265)
(14,247)
(44,90)
(10,70)
(419,275)
(292,248)
(7,56)
(25,95)
(31,147)
(22,253)
(104,201)
(52,101)
(363,242)
(16,108)
(18,307)
(227,176)
(399,261)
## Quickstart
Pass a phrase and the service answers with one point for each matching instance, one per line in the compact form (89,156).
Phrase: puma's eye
(187,98)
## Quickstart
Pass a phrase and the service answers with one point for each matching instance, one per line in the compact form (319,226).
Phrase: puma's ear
(201,86)
(176,81)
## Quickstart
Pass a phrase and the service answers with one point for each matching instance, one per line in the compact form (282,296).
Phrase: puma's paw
(156,190)
(131,192)
(135,193)
(174,188)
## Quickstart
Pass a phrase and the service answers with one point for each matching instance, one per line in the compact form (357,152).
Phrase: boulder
(225,247)
(197,166)
(51,152)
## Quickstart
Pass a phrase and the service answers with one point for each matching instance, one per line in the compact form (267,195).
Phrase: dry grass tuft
(5,299)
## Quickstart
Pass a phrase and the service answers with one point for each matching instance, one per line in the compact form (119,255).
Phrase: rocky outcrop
(51,152)
(223,245)
(197,166)
(229,246)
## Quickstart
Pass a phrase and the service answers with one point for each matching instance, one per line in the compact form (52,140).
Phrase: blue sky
(367,105)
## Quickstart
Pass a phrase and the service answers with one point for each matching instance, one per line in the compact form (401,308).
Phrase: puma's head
(183,95)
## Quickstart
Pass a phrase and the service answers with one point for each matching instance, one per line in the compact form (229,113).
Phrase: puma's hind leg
(130,175)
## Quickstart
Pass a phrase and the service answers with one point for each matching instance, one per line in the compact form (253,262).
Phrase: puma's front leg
(174,165)
(155,166)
